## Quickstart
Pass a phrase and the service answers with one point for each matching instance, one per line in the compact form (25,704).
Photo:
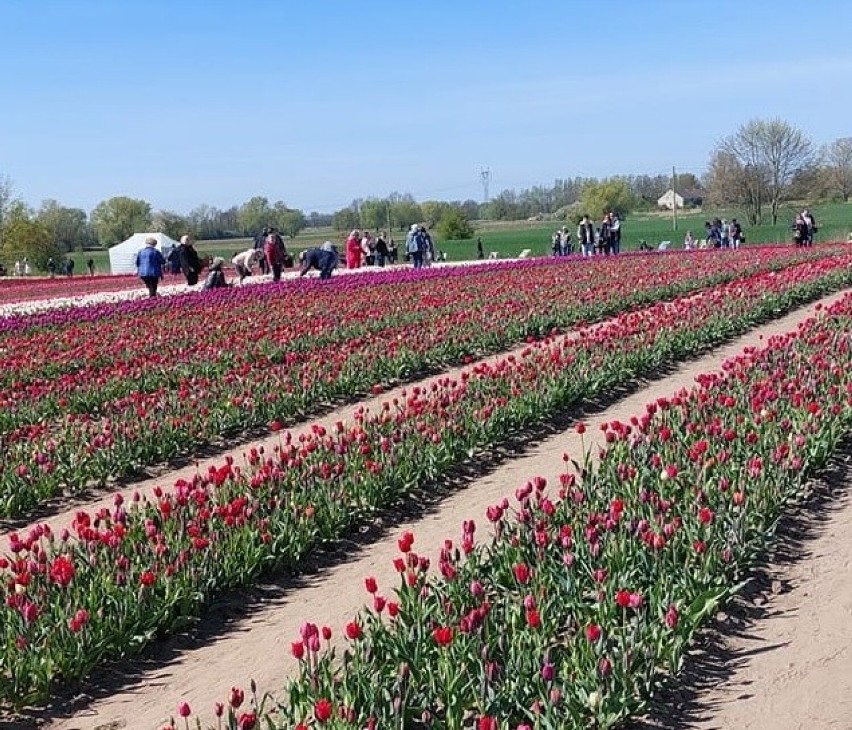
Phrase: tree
(772,153)
(729,183)
(607,196)
(254,215)
(68,226)
(837,159)
(433,211)
(345,219)
(29,239)
(453,226)
(174,225)
(290,222)
(7,196)
(374,213)
(404,210)
(118,218)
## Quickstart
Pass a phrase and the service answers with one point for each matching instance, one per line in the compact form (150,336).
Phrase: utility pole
(485,178)
(674,198)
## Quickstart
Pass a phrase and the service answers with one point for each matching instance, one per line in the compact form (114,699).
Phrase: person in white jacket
(244,261)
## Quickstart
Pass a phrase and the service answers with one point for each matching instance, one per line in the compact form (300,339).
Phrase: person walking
(69,267)
(190,263)
(605,244)
(725,234)
(480,251)
(324,259)
(149,265)
(736,233)
(275,253)
(90,264)
(353,250)
(586,236)
(414,246)
(51,267)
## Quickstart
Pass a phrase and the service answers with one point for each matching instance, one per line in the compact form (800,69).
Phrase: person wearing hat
(215,277)
(324,259)
(149,265)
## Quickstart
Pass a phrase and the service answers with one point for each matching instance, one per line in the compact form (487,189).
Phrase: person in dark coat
(149,265)
(324,259)
(382,252)
(91,265)
(190,263)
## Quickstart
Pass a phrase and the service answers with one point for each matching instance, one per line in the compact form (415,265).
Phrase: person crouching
(215,277)
(244,261)
(324,259)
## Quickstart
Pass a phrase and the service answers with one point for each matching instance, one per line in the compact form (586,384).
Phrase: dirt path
(253,640)
(781,657)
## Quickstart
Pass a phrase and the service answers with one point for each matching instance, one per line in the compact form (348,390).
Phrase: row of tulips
(145,383)
(27,289)
(589,591)
(115,580)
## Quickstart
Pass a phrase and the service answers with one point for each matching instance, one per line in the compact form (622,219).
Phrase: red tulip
(443,635)
(323,709)
(593,633)
(353,631)
(184,710)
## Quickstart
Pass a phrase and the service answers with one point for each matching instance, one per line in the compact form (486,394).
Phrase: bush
(453,226)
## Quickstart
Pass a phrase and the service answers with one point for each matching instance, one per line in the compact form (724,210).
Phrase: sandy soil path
(780,657)
(251,638)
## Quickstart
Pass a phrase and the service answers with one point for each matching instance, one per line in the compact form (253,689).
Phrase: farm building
(670,198)
(122,256)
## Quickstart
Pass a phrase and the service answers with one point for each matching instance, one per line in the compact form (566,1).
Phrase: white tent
(122,256)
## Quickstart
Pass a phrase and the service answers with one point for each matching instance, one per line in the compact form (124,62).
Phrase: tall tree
(773,152)
(608,196)
(67,226)
(118,218)
(29,239)
(730,183)
(174,225)
(837,159)
(254,215)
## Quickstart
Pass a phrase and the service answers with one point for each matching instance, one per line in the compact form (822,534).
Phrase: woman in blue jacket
(149,265)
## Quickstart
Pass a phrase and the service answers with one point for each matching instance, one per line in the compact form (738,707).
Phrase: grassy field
(510,238)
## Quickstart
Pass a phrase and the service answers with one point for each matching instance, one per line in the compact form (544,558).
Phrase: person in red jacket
(353,250)
(275,253)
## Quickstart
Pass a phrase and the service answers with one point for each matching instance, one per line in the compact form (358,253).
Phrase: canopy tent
(122,256)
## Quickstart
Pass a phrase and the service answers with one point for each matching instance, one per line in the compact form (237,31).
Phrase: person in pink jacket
(353,250)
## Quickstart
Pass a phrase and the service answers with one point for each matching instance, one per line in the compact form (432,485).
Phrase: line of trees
(756,169)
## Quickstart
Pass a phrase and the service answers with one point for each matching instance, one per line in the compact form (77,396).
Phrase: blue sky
(187,102)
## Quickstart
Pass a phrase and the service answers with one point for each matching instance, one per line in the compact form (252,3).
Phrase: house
(692,197)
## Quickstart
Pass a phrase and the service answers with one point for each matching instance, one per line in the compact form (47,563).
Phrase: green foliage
(118,218)
(29,239)
(290,222)
(68,227)
(346,220)
(254,215)
(453,226)
(607,196)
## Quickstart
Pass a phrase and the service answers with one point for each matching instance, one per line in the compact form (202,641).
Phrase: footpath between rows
(249,637)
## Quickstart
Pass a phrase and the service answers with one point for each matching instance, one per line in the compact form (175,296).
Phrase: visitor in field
(586,236)
(27,268)
(725,233)
(149,265)
(605,245)
(810,222)
(736,233)
(566,246)
(18,268)
(480,251)
(615,232)
(414,245)
(190,263)
(324,259)
(51,267)
(368,247)
(244,261)
(689,242)
(393,251)
(382,253)
(353,250)
(428,246)
(90,264)
(216,275)
(800,231)
(275,253)
(555,243)
(69,267)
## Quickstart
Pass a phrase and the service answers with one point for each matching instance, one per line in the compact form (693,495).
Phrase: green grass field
(510,238)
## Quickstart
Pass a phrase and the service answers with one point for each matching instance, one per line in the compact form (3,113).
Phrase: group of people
(804,228)
(419,246)
(369,250)
(151,265)
(592,240)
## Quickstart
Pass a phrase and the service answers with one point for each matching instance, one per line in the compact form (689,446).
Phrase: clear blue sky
(183,102)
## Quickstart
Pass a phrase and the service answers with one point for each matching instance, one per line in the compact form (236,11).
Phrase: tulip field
(579,599)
